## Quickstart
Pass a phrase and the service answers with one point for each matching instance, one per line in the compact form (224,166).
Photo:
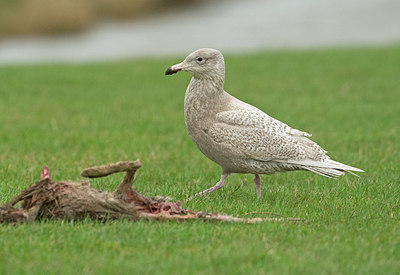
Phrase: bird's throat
(200,99)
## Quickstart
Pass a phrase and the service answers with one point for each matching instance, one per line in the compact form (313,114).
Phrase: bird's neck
(201,97)
(206,86)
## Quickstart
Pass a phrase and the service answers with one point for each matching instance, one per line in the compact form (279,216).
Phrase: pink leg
(257,181)
(219,185)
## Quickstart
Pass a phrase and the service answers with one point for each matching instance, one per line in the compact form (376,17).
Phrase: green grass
(74,116)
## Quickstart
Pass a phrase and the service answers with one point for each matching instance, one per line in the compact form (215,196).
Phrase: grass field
(74,116)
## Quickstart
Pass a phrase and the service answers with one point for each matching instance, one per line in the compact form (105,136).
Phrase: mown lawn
(74,116)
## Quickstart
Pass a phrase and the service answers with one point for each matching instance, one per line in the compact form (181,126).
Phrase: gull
(238,136)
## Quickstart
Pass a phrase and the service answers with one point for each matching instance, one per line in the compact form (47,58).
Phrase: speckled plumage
(240,137)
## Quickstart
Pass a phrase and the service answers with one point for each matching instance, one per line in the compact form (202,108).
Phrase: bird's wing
(246,115)
(262,137)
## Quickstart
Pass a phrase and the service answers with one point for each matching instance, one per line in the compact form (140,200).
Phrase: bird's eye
(199,59)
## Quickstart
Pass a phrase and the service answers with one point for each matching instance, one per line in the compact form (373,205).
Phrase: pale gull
(240,137)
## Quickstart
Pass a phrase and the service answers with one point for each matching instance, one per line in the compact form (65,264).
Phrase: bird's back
(263,137)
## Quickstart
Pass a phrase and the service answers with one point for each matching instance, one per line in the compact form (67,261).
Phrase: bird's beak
(174,69)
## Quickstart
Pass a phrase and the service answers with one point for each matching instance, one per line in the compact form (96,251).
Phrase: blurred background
(96,30)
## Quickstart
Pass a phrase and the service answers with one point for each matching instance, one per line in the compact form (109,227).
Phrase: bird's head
(203,63)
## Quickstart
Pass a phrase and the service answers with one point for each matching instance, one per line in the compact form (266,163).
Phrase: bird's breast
(197,120)
(198,106)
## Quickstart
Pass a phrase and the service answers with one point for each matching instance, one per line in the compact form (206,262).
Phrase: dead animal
(66,200)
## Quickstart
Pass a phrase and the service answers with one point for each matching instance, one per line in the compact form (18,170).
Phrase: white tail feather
(323,164)
(328,168)
(320,173)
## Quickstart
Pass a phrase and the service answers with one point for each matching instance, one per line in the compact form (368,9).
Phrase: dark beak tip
(170,71)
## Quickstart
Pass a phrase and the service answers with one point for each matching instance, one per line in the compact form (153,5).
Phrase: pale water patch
(231,26)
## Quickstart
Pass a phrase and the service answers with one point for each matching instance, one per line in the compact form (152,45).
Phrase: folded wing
(263,138)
